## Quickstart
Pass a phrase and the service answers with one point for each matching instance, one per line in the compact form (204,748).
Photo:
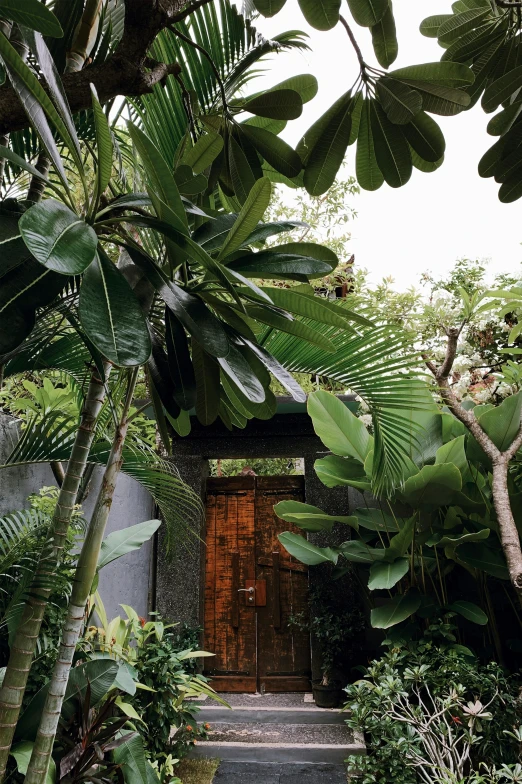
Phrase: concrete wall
(123,581)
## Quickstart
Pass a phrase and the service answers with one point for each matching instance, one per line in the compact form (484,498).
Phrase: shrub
(426,707)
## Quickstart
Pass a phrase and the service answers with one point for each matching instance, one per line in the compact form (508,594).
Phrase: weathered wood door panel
(253,587)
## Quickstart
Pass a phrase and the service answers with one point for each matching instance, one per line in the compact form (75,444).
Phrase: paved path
(276,773)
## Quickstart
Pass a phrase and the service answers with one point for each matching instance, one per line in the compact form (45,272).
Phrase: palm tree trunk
(82,584)
(24,645)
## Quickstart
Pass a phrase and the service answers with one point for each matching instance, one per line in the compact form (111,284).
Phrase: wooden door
(253,587)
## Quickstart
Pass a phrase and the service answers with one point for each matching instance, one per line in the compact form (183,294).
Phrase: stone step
(331,754)
(279,742)
(230,772)
(270,715)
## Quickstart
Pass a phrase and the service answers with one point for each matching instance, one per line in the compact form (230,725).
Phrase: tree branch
(126,72)
(508,531)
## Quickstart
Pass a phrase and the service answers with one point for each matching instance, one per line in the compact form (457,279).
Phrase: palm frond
(235,47)
(379,365)
(52,438)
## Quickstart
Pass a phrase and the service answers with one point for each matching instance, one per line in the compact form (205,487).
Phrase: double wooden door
(253,587)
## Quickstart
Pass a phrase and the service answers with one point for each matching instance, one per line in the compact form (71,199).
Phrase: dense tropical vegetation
(141,252)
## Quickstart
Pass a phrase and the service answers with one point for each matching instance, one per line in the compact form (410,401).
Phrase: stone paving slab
(284,700)
(275,773)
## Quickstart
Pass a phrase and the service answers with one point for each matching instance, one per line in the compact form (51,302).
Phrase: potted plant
(334,629)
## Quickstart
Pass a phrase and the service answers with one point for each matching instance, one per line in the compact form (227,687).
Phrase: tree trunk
(506,523)
(24,645)
(82,584)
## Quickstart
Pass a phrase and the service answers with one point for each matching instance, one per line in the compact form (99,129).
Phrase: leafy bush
(170,718)
(426,702)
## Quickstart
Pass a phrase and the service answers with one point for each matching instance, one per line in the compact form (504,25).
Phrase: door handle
(246,590)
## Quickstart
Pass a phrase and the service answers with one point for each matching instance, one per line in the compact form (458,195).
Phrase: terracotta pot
(329,696)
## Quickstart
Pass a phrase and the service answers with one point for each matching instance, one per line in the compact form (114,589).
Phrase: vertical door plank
(283,649)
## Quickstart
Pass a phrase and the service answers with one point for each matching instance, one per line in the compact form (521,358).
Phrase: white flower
(504,390)
(483,395)
(366,419)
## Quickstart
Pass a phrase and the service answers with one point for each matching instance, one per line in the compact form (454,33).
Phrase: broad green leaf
(368,13)
(274,150)
(131,758)
(239,371)
(490,160)
(384,576)
(384,39)
(377,520)
(359,552)
(395,611)
(103,143)
(58,238)
(425,138)
(111,315)
(314,134)
(37,105)
(277,370)
(402,540)
(24,289)
(334,471)
(434,485)
(281,104)
(480,556)
(310,518)
(32,14)
(206,370)
(251,213)
(127,540)
(446,101)
(275,264)
(180,363)
(458,25)
(304,84)
(452,542)
(327,155)
(470,611)
(441,74)
(204,152)
(189,309)
(340,431)
(6,152)
(160,176)
(391,148)
(510,191)
(369,175)
(305,551)
(242,177)
(188,183)
(56,91)
(453,452)
(503,422)
(98,674)
(399,101)
(430,26)
(502,122)
(269,7)
(502,89)
(321,14)
(22,754)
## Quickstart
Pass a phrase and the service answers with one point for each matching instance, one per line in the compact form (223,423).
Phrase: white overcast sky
(435,218)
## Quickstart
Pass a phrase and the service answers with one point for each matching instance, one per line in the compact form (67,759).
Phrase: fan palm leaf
(379,365)
(235,47)
(51,438)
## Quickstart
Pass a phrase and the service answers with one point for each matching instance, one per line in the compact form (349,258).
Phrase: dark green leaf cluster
(486,36)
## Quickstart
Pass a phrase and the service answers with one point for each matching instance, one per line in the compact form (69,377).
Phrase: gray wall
(123,581)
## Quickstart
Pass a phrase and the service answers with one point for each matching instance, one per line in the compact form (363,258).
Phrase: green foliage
(478,706)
